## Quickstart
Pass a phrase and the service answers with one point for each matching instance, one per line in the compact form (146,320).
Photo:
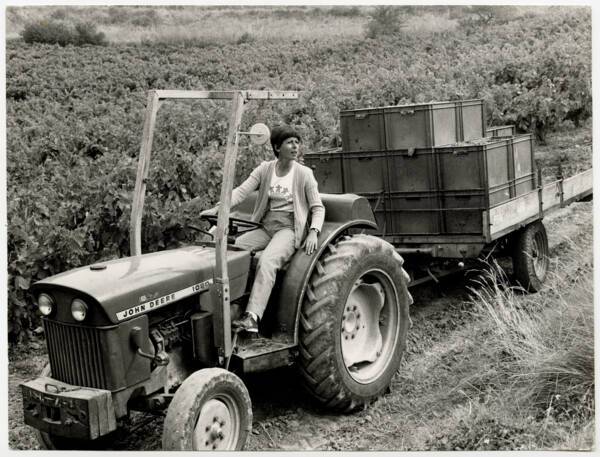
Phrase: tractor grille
(76,355)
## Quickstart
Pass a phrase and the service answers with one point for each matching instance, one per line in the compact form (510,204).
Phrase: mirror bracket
(259,133)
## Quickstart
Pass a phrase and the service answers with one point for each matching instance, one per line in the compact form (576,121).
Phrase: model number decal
(164,300)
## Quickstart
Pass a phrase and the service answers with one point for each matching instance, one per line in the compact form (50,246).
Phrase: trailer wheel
(531,257)
(353,323)
(210,411)
(50,442)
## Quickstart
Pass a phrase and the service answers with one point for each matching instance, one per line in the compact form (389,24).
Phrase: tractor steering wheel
(234,223)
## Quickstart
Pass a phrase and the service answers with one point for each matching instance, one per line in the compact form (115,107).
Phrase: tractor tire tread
(182,413)
(317,361)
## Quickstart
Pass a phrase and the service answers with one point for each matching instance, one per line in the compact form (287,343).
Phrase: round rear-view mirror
(259,133)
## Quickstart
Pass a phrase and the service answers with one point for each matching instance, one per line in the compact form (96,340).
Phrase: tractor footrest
(260,354)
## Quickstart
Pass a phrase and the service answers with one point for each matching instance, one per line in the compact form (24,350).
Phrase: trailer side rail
(518,212)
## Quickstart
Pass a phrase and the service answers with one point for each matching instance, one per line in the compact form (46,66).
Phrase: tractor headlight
(78,309)
(45,304)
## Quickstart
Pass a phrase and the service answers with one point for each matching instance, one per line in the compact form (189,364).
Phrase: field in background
(230,24)
(123,24)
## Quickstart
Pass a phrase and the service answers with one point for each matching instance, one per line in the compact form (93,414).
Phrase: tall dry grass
(546,339)
(229,30)
(201,24)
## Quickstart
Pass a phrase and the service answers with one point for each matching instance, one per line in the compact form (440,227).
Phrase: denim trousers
(277,240)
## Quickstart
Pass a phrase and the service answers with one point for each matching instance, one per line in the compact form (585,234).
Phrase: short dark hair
(279,134)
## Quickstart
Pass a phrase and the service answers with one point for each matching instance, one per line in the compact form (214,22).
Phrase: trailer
(445,190)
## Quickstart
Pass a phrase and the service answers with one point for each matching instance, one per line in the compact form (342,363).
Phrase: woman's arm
(251,183)
(240,193)
(317,210)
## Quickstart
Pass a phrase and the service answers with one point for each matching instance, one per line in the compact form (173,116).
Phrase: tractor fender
(295,282)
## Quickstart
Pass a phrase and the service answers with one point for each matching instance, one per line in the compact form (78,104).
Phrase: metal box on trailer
(363,129)
(463,211)
(327,168)
(412,170)
(364,172)
(523,155)
(524,184)
(462,221)
(476,166)
(500,130)
(471,119)
(424,192)
(414,213)
(421,126)
(499,194)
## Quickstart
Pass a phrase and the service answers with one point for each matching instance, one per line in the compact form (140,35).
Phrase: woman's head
(281,133)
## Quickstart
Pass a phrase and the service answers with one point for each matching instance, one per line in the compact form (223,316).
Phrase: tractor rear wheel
(353,323)
(531,257)
(210,411)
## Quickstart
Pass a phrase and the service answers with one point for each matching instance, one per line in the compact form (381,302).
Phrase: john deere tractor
(152,332)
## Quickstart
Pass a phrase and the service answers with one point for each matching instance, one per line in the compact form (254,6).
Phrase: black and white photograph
(299,227)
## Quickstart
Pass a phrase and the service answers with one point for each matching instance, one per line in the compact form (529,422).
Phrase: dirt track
(285,418)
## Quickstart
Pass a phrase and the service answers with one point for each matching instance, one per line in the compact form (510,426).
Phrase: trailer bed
(518,212)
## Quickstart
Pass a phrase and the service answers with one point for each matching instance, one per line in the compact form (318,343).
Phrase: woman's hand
(310,243)
(210,212)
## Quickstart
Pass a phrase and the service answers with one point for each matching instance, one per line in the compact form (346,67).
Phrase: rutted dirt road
(423,397)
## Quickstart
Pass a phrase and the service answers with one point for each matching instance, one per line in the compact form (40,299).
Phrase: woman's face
(289,149)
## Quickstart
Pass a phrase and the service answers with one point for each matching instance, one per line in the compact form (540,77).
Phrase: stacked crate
(390,128)
(428,169)
(499,131)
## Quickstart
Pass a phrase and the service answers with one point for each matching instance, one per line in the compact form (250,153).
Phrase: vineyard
(75,116)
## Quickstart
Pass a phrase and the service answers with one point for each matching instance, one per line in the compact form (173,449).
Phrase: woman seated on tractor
(291,212)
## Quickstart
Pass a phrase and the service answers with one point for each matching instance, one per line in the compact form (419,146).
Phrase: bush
(479,15)
(386,20)
(50,32)
(146,18)
(345,11)
(116,15)
(246,37)
(63,34)
(86,33)
(59,14)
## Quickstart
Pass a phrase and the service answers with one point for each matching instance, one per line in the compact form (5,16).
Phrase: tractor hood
(131,286)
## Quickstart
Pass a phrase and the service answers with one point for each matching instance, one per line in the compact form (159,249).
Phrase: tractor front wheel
(353,323)
(210,411)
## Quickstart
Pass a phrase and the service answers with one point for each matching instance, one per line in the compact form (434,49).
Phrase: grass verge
(537,390)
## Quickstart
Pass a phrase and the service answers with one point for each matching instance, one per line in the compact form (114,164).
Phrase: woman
(291,212)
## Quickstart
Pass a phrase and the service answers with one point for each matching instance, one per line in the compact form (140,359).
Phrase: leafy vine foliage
(75,118)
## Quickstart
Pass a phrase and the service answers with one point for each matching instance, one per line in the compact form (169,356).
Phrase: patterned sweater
(306,197)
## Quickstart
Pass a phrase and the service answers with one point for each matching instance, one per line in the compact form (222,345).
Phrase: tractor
(152,332)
